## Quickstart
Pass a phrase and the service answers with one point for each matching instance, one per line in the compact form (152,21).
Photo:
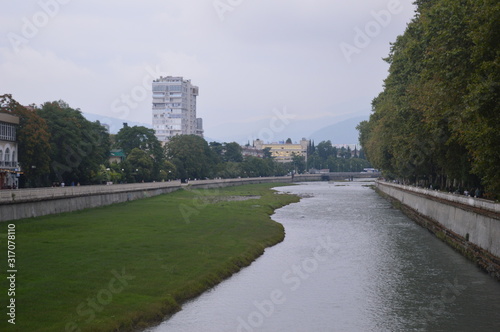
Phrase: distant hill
(343,132)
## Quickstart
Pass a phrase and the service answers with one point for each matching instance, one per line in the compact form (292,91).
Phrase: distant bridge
(335,176)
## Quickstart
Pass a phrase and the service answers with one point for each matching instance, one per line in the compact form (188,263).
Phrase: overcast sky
(318,61)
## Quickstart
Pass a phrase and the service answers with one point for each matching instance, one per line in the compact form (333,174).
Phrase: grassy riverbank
(127,265)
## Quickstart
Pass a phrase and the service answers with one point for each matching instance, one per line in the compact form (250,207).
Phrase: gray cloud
(264,55)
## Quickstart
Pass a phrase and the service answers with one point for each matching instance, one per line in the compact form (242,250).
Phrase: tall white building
(174,108)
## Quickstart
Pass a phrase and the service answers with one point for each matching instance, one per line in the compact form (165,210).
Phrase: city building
(174,108)
(251,151)
(9,166)
(284,152)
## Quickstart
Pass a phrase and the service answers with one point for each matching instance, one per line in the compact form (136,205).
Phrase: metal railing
(17,195)
(10,195)
(465,200)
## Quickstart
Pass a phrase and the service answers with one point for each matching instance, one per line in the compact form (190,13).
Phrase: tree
(142,165)
(218,150)
(168,171)
(480,127)
(129,138)
(230,170)
(267,153)
(325,149)
(255,167)
(78,146)
(233,152)
(33,140)
(437,120)
(191,156)
(299,163)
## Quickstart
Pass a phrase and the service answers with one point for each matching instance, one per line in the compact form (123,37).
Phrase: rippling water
(349,262)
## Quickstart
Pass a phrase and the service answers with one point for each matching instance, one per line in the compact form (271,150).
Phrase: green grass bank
(126,266)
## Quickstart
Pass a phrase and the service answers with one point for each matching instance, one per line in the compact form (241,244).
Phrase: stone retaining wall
(470,225)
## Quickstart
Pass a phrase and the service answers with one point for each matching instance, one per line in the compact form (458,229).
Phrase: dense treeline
(58,145)
(437,121)
(326,156)
(194,158)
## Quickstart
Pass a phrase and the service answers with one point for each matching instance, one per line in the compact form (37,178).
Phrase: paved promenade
(10,195)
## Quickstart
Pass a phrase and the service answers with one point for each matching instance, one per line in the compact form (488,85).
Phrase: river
(349,262)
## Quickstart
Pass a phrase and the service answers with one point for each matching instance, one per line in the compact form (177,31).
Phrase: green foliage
(168,171)
(129,138)
(267,153)
(141,164)
(227,152)
(191,156)
(326,156)
(437,120)
(144,139)
(229,170)
(78,147)
(218,150)
(299,163)
(233,153)
(255,167)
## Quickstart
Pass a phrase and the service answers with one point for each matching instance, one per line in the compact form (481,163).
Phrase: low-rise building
(284,152)
(116,156)
(251,151)
(9,166)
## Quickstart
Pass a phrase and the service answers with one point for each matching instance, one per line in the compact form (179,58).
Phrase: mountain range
(339,130)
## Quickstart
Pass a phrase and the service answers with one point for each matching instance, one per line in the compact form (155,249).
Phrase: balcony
(9,164)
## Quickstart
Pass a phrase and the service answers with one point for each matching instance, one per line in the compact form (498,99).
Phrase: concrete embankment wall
(470,225)
(27,203)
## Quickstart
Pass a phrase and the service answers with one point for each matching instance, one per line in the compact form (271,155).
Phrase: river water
(349,262)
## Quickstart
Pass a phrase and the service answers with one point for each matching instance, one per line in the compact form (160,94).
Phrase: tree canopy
(78,146)
(438,119)
(144,139)
(325,156)
(191,156)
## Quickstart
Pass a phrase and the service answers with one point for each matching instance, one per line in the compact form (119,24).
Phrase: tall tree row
(326,156)
(437,121)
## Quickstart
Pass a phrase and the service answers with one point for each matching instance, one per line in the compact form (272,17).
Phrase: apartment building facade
(174,108)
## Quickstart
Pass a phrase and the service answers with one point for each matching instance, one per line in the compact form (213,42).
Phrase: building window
(7,132)
(159,88)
